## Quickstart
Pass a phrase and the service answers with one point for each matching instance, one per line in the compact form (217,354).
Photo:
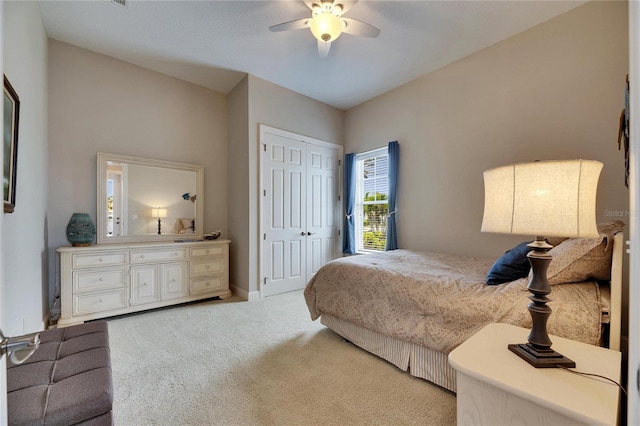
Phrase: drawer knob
(100,259)
(101,279)
(208,251)
(99,300)
(207,267)
(142,256)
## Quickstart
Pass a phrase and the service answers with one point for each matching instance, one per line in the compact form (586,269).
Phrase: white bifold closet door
(300,210)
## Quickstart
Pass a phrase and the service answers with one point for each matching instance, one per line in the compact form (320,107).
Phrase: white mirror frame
(101,229)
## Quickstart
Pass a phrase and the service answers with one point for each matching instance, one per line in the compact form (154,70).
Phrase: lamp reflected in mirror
(160,214)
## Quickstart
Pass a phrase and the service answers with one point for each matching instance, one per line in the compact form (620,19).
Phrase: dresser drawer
(203,268)
(84,281)
(91,260)
(206,285)
(144,256)
(98,302)
(206,251)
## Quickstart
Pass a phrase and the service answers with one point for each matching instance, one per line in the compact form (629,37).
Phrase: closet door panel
(284,214)
(323,206)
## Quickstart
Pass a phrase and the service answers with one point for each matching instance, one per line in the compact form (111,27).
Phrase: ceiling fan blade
(323,48)
(359,28)
(298,24)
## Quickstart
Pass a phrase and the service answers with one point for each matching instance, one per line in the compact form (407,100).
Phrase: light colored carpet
(260,363)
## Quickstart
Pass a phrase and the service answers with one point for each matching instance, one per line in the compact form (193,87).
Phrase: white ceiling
(215,43)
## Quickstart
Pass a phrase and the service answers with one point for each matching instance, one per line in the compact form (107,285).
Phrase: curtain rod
(371,151)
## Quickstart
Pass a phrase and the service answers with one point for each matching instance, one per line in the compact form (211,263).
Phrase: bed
(413,308)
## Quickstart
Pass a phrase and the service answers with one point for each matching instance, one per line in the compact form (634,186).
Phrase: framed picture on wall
(11,115)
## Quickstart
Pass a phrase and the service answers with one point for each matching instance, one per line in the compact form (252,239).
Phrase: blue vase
(81,230)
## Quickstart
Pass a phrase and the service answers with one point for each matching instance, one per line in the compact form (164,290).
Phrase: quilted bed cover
(438,300)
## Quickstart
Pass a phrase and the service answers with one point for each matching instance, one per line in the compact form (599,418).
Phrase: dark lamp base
(541,359)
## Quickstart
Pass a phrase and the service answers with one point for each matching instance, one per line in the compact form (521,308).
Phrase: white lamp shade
(159,212)
(326,26)
(543,198)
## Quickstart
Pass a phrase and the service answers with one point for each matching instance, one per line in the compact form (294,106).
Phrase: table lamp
(545,199)
(159,213)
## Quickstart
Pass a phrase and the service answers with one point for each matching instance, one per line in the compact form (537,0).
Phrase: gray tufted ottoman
(66,381)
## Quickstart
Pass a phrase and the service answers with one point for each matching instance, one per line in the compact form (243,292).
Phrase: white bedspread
(438,301)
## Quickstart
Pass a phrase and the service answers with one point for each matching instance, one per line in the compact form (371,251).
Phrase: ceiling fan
(326,23)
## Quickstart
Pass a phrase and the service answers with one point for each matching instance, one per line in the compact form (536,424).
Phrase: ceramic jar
(81,231)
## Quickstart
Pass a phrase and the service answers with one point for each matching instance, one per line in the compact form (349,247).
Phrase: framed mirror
(145,200)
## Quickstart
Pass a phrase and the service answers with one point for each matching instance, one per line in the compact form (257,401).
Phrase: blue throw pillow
(512,265)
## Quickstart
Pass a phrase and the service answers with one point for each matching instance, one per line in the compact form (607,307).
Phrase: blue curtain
(349,237)
(392,236)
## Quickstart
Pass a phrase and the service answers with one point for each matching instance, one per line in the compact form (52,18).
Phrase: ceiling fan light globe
(326,26)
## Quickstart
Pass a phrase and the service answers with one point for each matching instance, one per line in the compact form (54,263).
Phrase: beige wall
(238,191)
(24,232)
(277,107)
(98,103)
(552,92)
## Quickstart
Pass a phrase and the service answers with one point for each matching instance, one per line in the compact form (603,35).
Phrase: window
(372,205)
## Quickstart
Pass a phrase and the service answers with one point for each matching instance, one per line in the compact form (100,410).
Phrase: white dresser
(114,279)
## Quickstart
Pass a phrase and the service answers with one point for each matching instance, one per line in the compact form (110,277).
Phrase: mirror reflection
(143,199)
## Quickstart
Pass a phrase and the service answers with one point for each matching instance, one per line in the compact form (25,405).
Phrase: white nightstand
(496,387)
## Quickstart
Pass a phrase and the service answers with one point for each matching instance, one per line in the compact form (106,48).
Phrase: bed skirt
(417,360)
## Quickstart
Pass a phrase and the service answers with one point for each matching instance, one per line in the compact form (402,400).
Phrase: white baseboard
(253,296)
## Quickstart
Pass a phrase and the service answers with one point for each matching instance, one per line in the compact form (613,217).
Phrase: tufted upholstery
(66,381)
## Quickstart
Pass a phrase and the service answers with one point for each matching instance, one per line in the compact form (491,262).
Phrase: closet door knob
(311,233)
(302,234)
